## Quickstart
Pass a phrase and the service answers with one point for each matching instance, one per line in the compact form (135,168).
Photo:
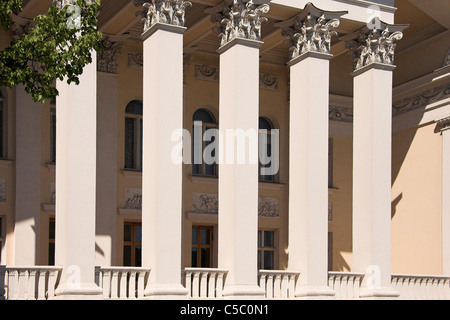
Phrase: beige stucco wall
(416,201)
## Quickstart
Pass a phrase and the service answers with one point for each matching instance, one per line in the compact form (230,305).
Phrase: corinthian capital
(238,19)
(169,12)
(310,31)
(369,46)
(60,4)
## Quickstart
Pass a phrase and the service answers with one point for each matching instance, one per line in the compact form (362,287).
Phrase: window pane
(134,107)
(51,230)
(203,116)
(268,238)
(130,135)
(127,256)
(141,134)
(259,260)
(205,236)
(194,257)
(51,254)
(138,233)
(194,236)
(259,238)
(137,256)
(127,233)
(268,260)
(205,257)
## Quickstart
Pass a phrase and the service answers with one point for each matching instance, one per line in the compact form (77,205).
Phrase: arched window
(266,126)
(133,135)
(3,122)
(203,121)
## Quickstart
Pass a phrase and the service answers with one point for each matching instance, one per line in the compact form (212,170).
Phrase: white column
(238,177)
(162,176)
(308,149)
(106,153)
(76,130)
(445,132)
(372,140)
(28,179)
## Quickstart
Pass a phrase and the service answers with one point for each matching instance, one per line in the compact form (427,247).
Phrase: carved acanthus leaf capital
(310,31)
(238,19)
(376,45)
(170,12)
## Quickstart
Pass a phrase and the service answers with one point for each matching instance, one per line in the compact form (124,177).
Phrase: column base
(306,292)
(378,293)
(83,291)
(243,292)
(166,292)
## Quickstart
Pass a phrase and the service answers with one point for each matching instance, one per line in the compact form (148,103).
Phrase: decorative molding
(205,203)
(206,72)
(341,114)
(52,193)
(135,61)
(186,63)
(310,31)
(268,81)
(369,46)
(133,198)
(268,207)
(169,12)
(2,190)
(421,100)
(107,56)
(444,124)
(238,19)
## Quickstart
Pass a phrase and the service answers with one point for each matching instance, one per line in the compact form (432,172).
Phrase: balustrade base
(378,293)
(166,292)
(305,292)
(82,291)
(243,292)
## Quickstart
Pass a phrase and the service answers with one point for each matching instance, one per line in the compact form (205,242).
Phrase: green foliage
(55,48)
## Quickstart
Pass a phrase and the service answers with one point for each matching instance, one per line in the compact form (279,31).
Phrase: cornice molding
(238,19)
(310,31)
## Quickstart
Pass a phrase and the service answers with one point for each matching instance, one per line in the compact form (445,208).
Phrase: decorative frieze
(107,56)
(238,19)
(341,114)
(171,12)
(133,198)
(20,26)
(421,100)
(268,207)
(206,72)
(268,81)
(444,123)
(447,59)
(135,61)
(370,46)
(205,203)
(310,31)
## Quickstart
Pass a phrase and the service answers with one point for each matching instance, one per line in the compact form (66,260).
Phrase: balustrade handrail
(119,282)
(421,276)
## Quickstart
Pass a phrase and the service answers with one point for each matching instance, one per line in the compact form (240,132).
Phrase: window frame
(51,241)
(275,177)
(53,134)
(263,248)
(200,246)
(133,243)
(138,122)
(2,238)
(205,126)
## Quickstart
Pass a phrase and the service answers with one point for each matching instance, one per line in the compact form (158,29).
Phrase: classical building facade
(126,186)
